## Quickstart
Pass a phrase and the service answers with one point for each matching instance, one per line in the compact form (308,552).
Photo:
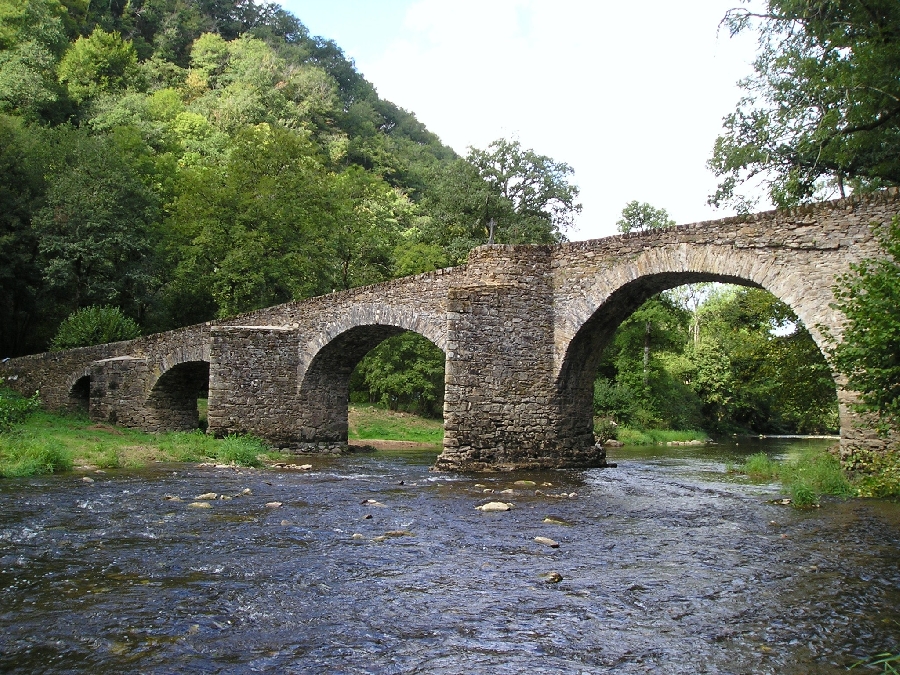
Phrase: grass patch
(47,442)
(632,436)
(368,422)
(26,454)
(808,475)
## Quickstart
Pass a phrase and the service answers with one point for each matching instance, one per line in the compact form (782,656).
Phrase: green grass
(808,475)
(27,454)
(368,422)
(631,436)
(47,442)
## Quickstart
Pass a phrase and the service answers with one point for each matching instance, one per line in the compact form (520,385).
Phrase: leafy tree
(759,369)
(403,372)
(94,326)
(22,187)
(822,110)
(638,216)
(869,354)
(102,62)
(533,201)
(96,223)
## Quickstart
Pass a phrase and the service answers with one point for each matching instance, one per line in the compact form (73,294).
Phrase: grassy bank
(42,442)
(630,436)
(806,476)
(45,443)
(369,422)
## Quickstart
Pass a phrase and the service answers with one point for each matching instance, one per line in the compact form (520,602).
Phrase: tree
(869,354)
(533,199)
(403,372)
(505,194)
(637,216)
(96,223)
(822,110)
(99,63)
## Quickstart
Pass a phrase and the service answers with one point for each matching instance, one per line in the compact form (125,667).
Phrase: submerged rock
(273,505)
(547,541)
(207,495)
(552,577)
(200,505)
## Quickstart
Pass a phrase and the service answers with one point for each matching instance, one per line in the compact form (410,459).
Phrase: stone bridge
(522,328)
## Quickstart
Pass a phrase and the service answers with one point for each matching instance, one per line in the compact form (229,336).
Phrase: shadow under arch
(324,390)
(172,401)
(574,383)
(79,396)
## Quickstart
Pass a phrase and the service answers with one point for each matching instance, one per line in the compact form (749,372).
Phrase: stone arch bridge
(522,328)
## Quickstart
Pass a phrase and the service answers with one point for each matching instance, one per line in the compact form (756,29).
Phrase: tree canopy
(821,114)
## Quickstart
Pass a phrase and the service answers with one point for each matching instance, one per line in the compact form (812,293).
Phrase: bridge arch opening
(80,395)
(177,398)
(382,365)
(623,331)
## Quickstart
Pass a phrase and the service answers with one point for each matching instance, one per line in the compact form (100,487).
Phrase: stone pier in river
(522,328)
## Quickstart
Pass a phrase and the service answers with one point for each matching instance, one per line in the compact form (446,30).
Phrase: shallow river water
(667,564)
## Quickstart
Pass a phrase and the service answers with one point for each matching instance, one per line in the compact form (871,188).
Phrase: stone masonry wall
(522,328)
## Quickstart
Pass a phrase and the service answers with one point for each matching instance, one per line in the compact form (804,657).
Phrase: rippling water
(667,566)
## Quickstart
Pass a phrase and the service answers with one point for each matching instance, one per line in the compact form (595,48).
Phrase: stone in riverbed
(552,577)
(200,505)
(547,541)
(273,505)
(494,507)
(207,495)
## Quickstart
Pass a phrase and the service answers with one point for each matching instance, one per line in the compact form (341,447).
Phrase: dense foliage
(15,408)
(822,110)
(870,352)
(188,160)
(740,361)
(94,326)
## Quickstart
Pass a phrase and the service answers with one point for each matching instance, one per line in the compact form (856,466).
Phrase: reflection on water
(668,566)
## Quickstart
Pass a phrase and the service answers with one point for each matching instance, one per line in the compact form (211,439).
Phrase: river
(668,565)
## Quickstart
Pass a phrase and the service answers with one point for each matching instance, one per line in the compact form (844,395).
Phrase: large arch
(324,380)
(590,321)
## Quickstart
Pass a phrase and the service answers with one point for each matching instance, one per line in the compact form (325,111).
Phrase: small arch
(172,401)
(79,400)
(324,391)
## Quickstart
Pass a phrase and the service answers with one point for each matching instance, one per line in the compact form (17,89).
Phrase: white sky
(631,95)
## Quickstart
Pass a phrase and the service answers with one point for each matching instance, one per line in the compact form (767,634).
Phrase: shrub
(242,450)
(94,326)
(15,408)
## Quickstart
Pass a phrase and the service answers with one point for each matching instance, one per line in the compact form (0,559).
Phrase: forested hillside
(190,159)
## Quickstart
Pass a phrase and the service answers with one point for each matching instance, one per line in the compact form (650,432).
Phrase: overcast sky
(631,95)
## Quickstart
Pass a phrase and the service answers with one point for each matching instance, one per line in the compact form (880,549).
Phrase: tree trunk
(647,353)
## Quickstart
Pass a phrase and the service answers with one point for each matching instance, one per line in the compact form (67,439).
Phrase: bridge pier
(500,407)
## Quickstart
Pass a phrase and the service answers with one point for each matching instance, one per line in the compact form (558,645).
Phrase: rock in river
(547,541)
(494,506)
